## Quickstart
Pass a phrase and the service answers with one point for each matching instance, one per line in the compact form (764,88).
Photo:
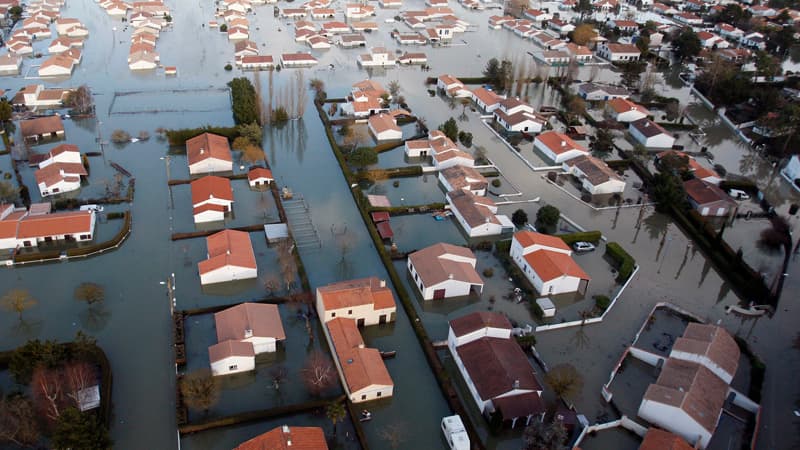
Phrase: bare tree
(565,380)
(78,376)
(18,301)
(271,284)
(286,262)
(18,421)
(278,375)
(90,293)
(8,192)
(48,392)
(80,100)
(393,434)
(318,373)
(200,389)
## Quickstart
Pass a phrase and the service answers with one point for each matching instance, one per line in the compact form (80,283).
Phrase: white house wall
(210,165)
(675,420)
(262,344)
(228,273)
(242,363)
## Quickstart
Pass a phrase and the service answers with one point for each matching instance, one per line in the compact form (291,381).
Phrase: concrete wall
(242,363)
(228,273)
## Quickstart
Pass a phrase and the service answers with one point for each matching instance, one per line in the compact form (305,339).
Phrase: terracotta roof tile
(364,291)
(206,146)
(228,247)
(435,264)
(263,320)
(298,438)
(497,366)
(550,265)
(528,238)
(209,187)
(478,320)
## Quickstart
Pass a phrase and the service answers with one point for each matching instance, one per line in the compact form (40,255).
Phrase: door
(438,294)
(361,322)
(382,318)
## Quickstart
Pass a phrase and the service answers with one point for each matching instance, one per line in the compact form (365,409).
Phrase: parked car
(739,194)
(95,208)
(583,246)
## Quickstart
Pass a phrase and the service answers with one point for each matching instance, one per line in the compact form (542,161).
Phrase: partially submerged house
(444,270)
(498,375)
(547,263)
(42,128)
(287,438)
(384,127)
(477,215)
(212,198)
(463,177)
(708,199)
(208,153)
(558,147)
(650,134)
(254,325)
(230,258)
(594,175)
(343,307)
(21,228)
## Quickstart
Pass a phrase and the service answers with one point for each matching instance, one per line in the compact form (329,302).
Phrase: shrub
(526,341)
(223,28)
(115,215)
(280,115)
(585,236)
(601,302)
(496,183)
(179,137)
(120,136)
(228,67)
(244,101)
(488,272)
(624,261)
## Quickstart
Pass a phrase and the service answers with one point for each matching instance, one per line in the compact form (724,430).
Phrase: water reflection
(95,317)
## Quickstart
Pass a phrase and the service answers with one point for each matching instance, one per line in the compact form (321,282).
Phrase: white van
(738,194)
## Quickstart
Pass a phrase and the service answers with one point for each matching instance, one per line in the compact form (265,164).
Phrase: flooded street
(135,328)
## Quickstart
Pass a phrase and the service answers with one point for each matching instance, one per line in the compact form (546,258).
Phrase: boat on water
(389,354)
(365,416)
(454,433)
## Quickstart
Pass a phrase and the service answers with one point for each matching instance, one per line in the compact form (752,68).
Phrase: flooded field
(135,326)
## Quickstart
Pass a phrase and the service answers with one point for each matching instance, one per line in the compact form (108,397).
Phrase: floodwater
(135,328)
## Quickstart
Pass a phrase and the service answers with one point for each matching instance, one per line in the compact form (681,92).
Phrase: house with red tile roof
(208,153)
(486,100)
(452,86)
(259,177)
(657,439)
(254,325)
(384,127)
(558,147)
(42,128)
(230,258)
(710,346)
(497,372)
(288,438)
(59,177)
(650,134)
(29,230)
(625,111)
(343,307)
(463,177)
(444,270)
(212,198)
(708,199)
(547,263)
(477,215)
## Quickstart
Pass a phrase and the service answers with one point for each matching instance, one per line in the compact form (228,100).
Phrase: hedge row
(179,137)
(260,415)
(742,185)
(625,261)
(394,172)
(414,209)
(677,126)
(618,164)
(116,240)
(758,370)
(583,236)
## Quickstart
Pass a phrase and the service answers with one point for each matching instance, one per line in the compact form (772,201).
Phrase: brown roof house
(463,178)
(343,307)
(42,128)
(212,198)
(477,215)
(687,400)
(496,371)
(230,258)
(444,270)
(710,346)
(547,263)
(209,153)
(384,127)
(595,175)
(656,439)
(244,331)
(287,438)
(708,199)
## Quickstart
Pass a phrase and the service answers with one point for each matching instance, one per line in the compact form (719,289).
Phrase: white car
(95,208)
(739,194)
(583,246)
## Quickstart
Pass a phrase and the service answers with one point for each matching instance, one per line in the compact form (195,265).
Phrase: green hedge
(179,137)
(742,185)
(677,126)
(386,146)
(757,372)
(602,302)
(624,261)
(583,236)
(618,164)
(51,254)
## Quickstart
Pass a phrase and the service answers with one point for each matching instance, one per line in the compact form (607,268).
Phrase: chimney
(450,277)
(285,429)
(563,143)
(202,150)
(248,333)
(516,384)
(383,283)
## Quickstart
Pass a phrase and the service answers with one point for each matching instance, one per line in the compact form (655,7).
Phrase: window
(350,312)
(378,394)
(233,367)
(333,314)
(364,397)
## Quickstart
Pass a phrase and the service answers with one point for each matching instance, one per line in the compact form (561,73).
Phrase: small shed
(380,216)
(385,230)
(379,201)
(276,232)
(548,308)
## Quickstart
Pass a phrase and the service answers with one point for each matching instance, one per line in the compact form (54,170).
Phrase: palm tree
(336,413)
(778,236)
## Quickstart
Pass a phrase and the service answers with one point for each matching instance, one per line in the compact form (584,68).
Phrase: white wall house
(477,215)
(230,258)
(208,153)
(58,178)
(444,270)
(650,134)
(231,357)
(558,147)
(212,199)
(483,339)
(384,127)
(595,175)
(367,301)
(547,263)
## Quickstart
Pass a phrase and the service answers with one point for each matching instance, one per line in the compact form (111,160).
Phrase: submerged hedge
(625,261)
(179,137)
(582,236)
